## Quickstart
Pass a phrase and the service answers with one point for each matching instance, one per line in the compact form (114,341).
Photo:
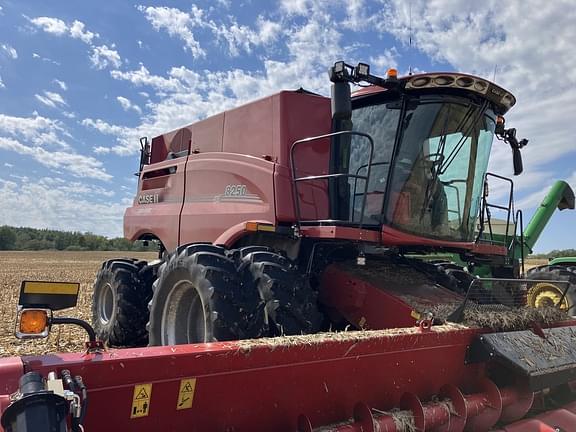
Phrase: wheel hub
(546,294)
(183,317)
(106,301)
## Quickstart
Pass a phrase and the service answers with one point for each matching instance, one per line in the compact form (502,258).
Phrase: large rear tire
(290,303)
(121,293)
(548,293)
(199,298)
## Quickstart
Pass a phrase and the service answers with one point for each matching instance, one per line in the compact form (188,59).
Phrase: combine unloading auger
(300,286)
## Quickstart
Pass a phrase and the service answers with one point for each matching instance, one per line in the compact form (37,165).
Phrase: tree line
(556,254)
(18,239)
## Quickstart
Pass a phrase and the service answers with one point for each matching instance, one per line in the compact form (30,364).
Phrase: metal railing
(312,178)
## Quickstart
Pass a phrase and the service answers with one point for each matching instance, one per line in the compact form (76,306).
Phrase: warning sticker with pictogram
(186,393)
(141,400)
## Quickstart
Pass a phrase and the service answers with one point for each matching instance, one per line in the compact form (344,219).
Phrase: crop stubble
(50,266)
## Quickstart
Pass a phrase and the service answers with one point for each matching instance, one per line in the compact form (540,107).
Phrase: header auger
(329,264)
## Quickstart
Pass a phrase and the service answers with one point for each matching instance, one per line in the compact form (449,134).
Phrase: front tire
(198,298)
(121,293)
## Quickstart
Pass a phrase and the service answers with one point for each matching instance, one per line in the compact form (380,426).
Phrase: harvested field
(51,266)
(534,262)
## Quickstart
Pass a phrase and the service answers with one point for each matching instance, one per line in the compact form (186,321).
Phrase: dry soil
(52,266)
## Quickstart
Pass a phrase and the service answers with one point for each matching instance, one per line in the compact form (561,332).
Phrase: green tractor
(545,293)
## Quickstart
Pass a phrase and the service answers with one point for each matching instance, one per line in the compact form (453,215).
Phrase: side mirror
(517,161)
(509,136)
(144,154)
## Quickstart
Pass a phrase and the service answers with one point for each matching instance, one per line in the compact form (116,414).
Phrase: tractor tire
(122,290)
(198,298)
(290,303)
(546,294)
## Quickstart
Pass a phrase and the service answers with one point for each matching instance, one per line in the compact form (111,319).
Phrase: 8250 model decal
(235,190)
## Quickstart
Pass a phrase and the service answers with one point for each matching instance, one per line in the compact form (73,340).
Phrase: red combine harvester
(302,282)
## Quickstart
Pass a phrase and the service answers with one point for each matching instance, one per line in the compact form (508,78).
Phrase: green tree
(7,238)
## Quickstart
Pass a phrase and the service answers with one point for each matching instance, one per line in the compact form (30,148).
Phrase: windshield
(439,168)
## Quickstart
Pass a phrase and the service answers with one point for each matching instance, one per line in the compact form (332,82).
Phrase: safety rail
(311,178)
(486,217)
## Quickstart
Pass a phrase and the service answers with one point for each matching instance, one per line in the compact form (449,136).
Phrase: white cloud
(61,204)
(55,26)
(8,165)
(51,25)
(51,99)
(178,24)
(295,7)
(381,63)
(9,51)
(76,164)
(2,85)
(184,25)
(37,130)
(61,84)
(102,57)
(77,31)
(142,76)
(45,59)
(127,105)
(44,140)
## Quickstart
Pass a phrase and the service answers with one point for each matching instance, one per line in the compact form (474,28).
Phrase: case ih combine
(300,284)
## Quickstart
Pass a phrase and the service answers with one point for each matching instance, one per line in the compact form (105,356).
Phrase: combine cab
(299,285)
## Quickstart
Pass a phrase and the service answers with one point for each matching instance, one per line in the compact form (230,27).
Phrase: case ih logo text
(148,199)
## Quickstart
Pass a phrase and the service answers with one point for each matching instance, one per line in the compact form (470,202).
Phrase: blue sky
(81,81)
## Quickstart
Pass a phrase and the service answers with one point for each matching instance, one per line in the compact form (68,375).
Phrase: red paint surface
(265,388)
(394,237)
(373,303)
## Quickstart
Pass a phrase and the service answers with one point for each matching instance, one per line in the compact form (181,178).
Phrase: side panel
(303,116)
(223,190)
(157,205)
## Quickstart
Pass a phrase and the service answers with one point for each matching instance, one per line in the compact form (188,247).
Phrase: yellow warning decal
(416,315)
(141,400)
(186,393)
(51,287)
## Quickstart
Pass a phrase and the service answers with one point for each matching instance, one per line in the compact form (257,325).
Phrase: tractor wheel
(290,304)
(198,298)
(548,293)
(121,293)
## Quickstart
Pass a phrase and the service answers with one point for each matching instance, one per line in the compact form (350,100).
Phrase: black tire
(198,298)
(122,290)
(290,303)
(556,272)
